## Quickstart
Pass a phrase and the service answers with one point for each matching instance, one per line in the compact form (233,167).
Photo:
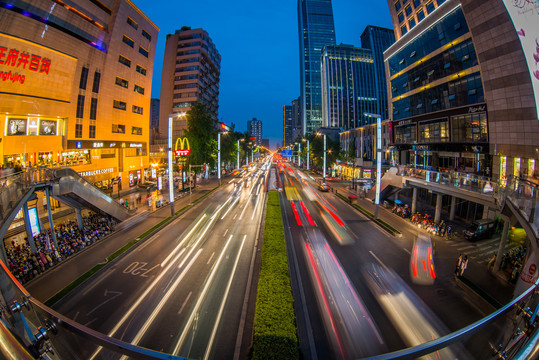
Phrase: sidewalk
(478,282)
(53,280)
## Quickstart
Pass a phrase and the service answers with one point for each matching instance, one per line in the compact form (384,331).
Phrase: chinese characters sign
(30,69)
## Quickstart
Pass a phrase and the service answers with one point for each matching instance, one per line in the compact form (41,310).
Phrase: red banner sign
(183,152)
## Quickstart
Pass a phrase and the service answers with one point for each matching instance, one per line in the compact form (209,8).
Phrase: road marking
(201,297)
(380,261)
(185,302)
(221,308)
(225,232)
(159,306)
(235,216)
(211,257)
(181,243)
(107,292)
(408,251)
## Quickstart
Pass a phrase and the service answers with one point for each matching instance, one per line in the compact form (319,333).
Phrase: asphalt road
(356,244)
(186,291)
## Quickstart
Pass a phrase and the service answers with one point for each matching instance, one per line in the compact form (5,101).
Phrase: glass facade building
(348,86)
(287,125)
(437,100)
(316,29)
(378,39)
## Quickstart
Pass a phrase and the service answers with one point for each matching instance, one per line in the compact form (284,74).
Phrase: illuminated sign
(286,153)
(47,127)
(34,221)
(16,127)
(97,145)
(525,17)
(28,68)
(184,152)
(137,145)
(96,172)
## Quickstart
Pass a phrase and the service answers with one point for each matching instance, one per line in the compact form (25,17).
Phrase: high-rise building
(255,130)
(348,86)
(316,29)
(378,39)
(287,124)
(191,70)
(81,87)
(154,120)
(297,120)
(462,96)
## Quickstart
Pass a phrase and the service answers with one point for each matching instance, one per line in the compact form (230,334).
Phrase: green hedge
(275,321)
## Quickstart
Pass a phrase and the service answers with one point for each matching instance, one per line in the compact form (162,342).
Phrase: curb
(486,301)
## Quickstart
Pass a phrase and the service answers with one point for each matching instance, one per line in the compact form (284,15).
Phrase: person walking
(464,265)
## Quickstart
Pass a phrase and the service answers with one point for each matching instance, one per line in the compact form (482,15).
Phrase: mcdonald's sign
(184,149)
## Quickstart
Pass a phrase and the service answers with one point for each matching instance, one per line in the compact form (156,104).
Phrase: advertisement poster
(525,16)
(131,179)
(16,127)
(34,221)
(47,127)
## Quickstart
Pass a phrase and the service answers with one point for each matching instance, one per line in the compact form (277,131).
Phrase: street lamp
(299,154)
(238,154)
(378,159)
(308,150)
(324,181)
(170,173)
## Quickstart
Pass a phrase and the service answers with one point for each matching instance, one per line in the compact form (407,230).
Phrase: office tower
(316,29)
(81,92)
(154,120)
(191,70)
(462,97)
(348,86)
(287,124)
(378,39)
(255,129)
(297,119)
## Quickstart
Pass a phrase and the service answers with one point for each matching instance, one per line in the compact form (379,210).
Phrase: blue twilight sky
(258,43)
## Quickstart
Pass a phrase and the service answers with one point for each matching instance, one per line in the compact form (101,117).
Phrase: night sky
(258,43)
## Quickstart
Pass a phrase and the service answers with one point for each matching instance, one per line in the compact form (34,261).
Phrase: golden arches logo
(184,149)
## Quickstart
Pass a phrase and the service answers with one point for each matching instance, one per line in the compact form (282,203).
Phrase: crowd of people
(25,264)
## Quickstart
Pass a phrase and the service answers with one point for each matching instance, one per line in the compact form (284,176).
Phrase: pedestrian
(464,265)
(457,267)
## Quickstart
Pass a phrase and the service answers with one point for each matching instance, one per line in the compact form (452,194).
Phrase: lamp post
(170,172)
(299,154)
(378,159)
(219,157)
(308,151)
(238,154)
(325,151)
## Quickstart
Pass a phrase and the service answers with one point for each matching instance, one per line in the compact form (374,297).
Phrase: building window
(118,129)
(447,65)
(139,89)
(146,35)
(124,60)
(401,17)
(128,41)
(457,26)
(122,82)
(136,130)
(406,134)
(469,128)
(433,131)
(404,30)
(420,15)
(452,97)
(93,109)
(78,128)
(411,23)
(117,104)
(430,7)
(132,22)
(91,130)
(408,10)
(97,80)
(417,3)
(143,51)
(137,109)
(83,78)
(80,106)
(141,70)
(398,6)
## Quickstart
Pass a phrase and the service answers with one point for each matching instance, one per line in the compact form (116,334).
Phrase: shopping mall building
(75,87)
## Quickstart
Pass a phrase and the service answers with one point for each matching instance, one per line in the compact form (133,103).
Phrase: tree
(202,136)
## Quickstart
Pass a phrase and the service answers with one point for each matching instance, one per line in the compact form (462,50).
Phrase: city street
(185,291)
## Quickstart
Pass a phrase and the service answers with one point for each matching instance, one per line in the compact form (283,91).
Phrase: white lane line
(181,243)
(225,232)
(230,208)
(201,297)
(158,308)
(408,251)
(380,261)
(185,302)
(211,257)
(235,216)
(256,207)
(222,307)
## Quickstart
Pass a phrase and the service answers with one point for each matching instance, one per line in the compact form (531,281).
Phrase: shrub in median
(275,321)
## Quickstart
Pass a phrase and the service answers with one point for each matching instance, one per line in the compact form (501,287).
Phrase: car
(480,229)
(323,187)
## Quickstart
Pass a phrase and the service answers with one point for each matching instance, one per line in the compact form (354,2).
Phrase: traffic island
(275,331)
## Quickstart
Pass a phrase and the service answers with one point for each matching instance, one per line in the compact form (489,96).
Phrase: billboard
(286,153)
(34,221)
(525,17)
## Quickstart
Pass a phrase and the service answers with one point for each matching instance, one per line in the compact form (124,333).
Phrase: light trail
(201,297)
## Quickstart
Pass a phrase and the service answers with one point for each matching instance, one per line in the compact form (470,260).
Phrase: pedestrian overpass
(63,184)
